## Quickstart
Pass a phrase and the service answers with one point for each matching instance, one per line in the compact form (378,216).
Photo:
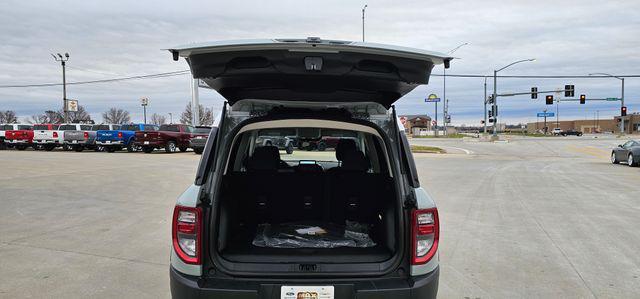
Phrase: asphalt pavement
(529,218)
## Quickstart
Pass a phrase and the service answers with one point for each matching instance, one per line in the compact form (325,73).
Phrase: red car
(171,138)
(20,138)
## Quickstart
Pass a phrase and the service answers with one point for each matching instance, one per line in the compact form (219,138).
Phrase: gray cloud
(113,38)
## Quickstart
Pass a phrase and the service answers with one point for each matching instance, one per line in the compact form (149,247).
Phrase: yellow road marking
(589,150)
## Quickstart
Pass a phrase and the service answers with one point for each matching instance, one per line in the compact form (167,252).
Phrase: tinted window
(100,127)
(170,128)
(25,127)
(55,127)
(202,130)
(116,127)
(130,128)
(8,127)
(41,127)
(85,127)
(151,128)
(67,127)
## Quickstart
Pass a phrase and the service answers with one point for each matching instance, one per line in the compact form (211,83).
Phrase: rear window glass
(25,127)
(170,128)
(202,130)
(151,128)
(85,127)
(67,127)
(7,127)
(130,128)
(101,127)
(41,127)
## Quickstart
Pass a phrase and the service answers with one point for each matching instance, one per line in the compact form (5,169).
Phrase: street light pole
(363,8)
(444,88)
(485,104)
(63,60)
(495,93)
(170,118)
(622,131)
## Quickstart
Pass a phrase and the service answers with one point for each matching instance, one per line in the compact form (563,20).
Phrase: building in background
(631,123)
(584,125)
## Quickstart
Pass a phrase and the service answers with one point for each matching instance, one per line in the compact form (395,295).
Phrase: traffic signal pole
(485,104)
(622,131)
(495,103)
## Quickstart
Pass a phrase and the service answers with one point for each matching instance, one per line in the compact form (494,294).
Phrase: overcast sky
(109,39)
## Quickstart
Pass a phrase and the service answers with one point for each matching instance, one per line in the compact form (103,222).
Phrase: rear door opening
(324,209)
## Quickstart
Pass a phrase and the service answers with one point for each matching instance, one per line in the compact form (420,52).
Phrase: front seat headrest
(344,145)
(264,158)
(354,161)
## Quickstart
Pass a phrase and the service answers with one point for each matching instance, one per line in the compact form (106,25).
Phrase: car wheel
(78,148)
(99,148)
(198,151)
(111,149)
(289,149)
(170,147)
(183,148)
(131,147)
(21,147)
(49,148)
(631,161)
(614,160)
(2,145)
(147,149)
(322,146)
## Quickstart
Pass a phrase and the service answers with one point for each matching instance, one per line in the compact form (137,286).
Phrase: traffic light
(549,100)
(623,111)
(569,91)
(583,99)
(491,120)
(534,93)
(494,109)
(490,113)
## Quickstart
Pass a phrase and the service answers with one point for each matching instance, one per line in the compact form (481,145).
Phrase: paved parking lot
(534,217)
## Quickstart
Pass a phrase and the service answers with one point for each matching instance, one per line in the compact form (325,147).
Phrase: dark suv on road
(349,223)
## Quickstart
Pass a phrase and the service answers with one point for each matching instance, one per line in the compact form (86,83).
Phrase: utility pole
(435,129)
(363,9)
(63,61)
(622,131)
(144,102)
(444,88)
(495,93)
(195,103)
(558,113)
(545,122)
(485,104)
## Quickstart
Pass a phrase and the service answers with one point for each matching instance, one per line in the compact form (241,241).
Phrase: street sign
(144,101)
(72,105)
(546,114)
(432,98)
(612,99)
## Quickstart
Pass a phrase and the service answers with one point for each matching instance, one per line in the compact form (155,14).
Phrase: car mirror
(620,145)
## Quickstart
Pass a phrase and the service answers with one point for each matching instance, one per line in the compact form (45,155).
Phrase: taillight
(186,233)
(55,134)
(86,135)
(119,134)
(425,229)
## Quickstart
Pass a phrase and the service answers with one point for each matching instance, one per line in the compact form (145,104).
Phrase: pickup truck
(171,137)
(47,137)
(78,140)
(20,138)
(199,139)
(3,129)
(116,139)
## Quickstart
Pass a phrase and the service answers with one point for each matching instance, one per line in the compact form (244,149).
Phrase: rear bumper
(109,142)
(46,141)
(77,142)
(149,143)
(425,286)
(18,141)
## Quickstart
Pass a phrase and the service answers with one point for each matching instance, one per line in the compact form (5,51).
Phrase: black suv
(350,221)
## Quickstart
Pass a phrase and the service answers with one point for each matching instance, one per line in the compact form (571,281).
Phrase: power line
(150,76)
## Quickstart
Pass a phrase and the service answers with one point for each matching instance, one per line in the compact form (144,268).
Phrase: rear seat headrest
(354,161)
(344,145)
(264,158)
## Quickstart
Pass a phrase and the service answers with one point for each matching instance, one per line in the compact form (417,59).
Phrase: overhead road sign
(612,99)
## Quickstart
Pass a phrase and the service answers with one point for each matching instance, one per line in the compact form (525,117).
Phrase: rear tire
(147,149)
(21,147)
(198,151)
(614,160)
(289,149)
(131,147)
(322,146)
(78,148)
(66,147)
(631,161)
(183,148)
(170,147)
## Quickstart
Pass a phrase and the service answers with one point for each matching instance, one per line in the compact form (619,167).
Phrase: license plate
(306,292)
(108,141)
(74,141)
(199,137)
(146,142)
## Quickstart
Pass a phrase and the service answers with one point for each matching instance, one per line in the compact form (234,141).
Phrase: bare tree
(48,117)
(206,115)
(158,119)
(116,116)
(8,117)
(77,116)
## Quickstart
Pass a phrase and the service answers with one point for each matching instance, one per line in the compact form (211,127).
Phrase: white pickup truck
(50,139)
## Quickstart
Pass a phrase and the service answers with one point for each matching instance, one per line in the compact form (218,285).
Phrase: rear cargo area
(318,200)
(285,208)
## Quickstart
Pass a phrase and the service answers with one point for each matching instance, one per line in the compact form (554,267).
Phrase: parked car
(171,138)
(79,137)
(113,139)
(21,138)
(629,152)
(48,136)
(253,225)
(571,133)
(556,131)
(282,139)
(199,139)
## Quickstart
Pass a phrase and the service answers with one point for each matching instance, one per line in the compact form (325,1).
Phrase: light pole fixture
(495,93)
(63,61)
(444,88)
(621,97)
(363,9)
